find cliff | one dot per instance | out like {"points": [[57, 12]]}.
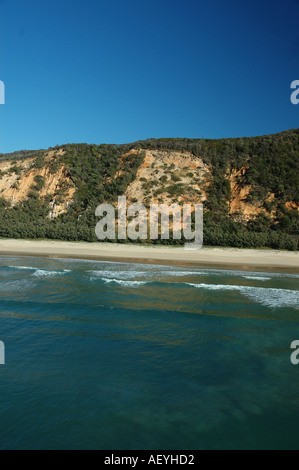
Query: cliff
{"points": [[248, 186]]}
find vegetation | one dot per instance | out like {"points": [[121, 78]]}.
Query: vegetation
{"points": [[103, 172]]}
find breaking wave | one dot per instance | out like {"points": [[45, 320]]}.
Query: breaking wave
{"points": [[270, 297]]}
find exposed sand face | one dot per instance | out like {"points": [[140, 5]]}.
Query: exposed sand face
{"points": [[245, 258], [164, 163]]}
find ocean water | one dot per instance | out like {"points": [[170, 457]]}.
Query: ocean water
{"points": [[106, 355]]}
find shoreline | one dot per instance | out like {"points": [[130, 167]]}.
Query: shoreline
{"points": [[242, 258]]}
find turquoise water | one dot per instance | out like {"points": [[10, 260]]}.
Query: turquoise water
{"points": [[103, 355]]}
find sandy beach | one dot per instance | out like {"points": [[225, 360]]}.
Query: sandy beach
{"points": [[207, 256]]}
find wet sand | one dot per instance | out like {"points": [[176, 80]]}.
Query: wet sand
{"points": [[207, 256]]}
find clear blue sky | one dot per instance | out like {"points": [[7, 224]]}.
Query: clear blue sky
{"points": [[122, 70]]}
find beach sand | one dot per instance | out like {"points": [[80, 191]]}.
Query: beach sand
{"points": [[207, 256]]}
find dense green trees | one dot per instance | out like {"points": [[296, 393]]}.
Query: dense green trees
{"points": [[103, 172]]}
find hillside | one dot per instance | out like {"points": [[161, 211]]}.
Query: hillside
{"points": [[248, 186]]}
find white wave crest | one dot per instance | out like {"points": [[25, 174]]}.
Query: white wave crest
{"points": [[43, 272], [122, 275], [270, 297], [125, 283], [257, 278], [30, 268]]}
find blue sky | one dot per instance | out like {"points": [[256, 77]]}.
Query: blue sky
{"points": [[122, 70]]}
